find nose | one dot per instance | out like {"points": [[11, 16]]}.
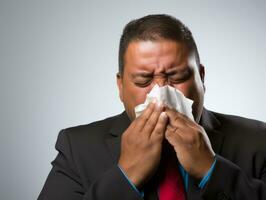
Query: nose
{"points": [[161, 80]]}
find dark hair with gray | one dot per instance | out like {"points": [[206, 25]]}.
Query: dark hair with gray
{"points": [[155, 27]]}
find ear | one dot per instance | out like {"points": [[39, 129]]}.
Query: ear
{"points": [[202, 72], [119, 82], [202, 75]]}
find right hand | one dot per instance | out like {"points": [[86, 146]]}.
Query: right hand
{"points": [[141, 144]]}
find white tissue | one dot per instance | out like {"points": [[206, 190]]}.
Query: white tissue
{"points": [[170, 97]]}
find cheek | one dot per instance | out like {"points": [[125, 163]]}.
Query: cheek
{"points": [[189, 89], [135, 95], [185, 88]]}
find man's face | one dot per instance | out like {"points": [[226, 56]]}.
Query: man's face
{"points": [[162, 62]]}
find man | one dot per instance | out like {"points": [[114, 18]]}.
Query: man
{"points": [[123, 157]]}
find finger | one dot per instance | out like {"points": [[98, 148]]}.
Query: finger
{"points": [[173, 137], [186, 135], [144, 117], [159, 130], [152, 121], [176, 118]]}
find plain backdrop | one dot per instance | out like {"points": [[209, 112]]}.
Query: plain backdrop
{"points": [[58, 60]]}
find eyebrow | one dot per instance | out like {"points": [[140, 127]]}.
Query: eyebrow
{"points": [[168, 72], [176, 71]]}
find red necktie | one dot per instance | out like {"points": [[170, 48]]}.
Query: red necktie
{"points": [[171, 186]]}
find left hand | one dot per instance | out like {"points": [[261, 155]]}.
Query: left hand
{"points": [[191, 144]]}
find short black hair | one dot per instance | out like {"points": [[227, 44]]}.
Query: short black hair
{"points": [[155, 27]]}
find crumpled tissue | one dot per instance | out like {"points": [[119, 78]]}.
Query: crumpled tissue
{"points": [[170, 97]]}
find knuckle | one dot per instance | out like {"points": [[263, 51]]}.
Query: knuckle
{"points": [[143, 117], [150, 123], [195, 137], [158, 131]]}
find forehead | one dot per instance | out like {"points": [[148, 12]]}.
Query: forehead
{"points": [[161, 53]]}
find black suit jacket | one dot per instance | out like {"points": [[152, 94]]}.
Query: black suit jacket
{"points": [[86, 165]]}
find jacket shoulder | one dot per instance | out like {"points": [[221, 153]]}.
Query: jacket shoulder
{"points": [[240, 122], [242, 132], [94, 130]]}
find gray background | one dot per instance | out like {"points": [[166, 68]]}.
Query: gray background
{"points": [[58, 61]]}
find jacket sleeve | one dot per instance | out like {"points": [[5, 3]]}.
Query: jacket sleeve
{"points": [[228, 181], [64, 181]]}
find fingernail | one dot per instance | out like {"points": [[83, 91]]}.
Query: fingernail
{"points": [[159, 103], [163, 115]]}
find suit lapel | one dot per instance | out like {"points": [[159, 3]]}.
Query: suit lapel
{"points": [[117, 128], [211, 125]]}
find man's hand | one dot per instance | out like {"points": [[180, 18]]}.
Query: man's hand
{"points": [[141, 144], [191, 144]]}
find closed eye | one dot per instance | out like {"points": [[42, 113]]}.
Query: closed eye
{"points": [[143, 82], [180, 77]]}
